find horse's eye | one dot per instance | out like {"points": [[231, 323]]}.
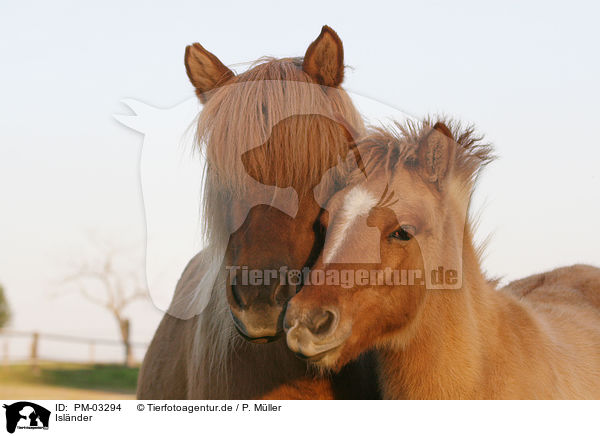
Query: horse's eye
{"points": [[404, 233]]}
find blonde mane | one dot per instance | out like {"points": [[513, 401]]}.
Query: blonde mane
{"points": [[241, 115]]}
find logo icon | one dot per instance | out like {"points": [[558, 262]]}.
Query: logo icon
{"points": [[26, 415]]}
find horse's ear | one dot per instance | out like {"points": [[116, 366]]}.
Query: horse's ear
{"points": [[436, 153], [324, 59], [205, 70]]}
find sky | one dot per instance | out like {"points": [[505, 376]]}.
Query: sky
{"points": [[524, 73]]}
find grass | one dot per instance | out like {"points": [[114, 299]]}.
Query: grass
{"points": [[101, 377]]}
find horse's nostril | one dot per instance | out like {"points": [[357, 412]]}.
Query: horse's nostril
{"points": [[237, 296], [322, 322]]}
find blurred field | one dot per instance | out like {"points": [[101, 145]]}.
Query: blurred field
{"points": [[67, 381]]}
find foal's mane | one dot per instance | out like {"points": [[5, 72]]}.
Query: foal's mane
{"points": [[386, 147]]}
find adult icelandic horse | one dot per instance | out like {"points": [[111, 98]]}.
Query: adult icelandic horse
{"points": [[269, 135], [537, 338]]}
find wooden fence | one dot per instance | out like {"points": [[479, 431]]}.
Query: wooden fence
{"points": [[35, 338]]}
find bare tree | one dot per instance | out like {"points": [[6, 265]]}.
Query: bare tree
{"points": [[111, 283], [5, 313]]}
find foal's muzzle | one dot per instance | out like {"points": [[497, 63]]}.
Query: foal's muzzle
{"points": [[312, 334]]}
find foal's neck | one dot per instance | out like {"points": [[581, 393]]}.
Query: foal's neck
{"points": [[450, 354]]}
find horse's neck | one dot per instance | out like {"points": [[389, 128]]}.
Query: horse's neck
{"points": [[458, 342]]}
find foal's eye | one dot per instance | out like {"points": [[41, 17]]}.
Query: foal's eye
{"points": [[404, 233]]}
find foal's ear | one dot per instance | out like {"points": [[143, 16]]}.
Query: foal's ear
{"points": [[205, 70], [436, 153], [324, 59]]}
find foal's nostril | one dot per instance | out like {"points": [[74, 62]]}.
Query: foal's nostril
{"points": [[322, 322]]}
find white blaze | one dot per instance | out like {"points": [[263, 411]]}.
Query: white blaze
{"points": [[358, 202]]}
